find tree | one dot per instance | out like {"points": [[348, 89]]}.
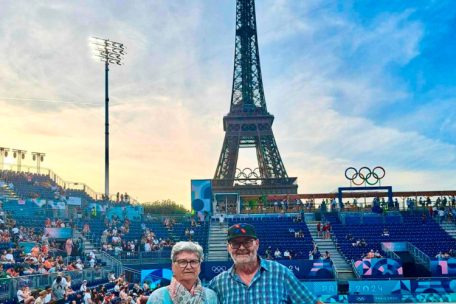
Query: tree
{"points": [[164, 207]]}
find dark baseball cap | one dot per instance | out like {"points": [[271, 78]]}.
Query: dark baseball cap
{"points": [[241, 229]]}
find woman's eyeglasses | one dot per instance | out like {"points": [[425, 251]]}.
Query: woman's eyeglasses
{"points": [[185, 263]]}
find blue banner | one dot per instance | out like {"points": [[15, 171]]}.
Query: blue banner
{"points": [[201, 196]]}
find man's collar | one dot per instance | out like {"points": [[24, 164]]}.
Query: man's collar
{"points": [[264, 264]]}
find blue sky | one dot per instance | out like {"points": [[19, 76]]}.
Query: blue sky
{"points": [[350, 83]]}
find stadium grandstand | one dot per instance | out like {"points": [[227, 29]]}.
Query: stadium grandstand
{"points": [[374, 250]]}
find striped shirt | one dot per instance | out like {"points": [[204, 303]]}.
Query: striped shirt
{"points": [[273, 283]]}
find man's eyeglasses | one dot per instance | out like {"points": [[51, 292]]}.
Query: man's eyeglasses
{"points": [[184, 263], [246, 244]]}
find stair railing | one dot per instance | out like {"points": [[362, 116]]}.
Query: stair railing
{"points": [[420, 256]]}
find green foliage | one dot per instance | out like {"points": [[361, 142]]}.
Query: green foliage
{"points": [[167, 207], [253, 203]]}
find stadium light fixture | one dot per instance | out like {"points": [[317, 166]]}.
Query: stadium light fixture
{"points": [[19, 155], [3, 154], [109, 52], [38, 157]]}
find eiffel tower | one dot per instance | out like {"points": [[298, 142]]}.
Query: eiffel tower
{"points": [[248, 124]]}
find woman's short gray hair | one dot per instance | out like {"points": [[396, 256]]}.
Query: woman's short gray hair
{"points": [[187, 246]]}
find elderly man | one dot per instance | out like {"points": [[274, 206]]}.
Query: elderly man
{"points": [[185, 287], [254, 280]]}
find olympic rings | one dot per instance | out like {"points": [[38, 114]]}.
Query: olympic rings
{"points": [[218, 269], [365, 175]]}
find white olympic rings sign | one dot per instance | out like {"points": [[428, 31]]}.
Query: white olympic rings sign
{"points": [[218, 269]]}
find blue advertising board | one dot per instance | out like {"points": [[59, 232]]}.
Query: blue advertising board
{"points": [[201, 195], [441, 267], [378, 268], [59, 233], [302, 269]]}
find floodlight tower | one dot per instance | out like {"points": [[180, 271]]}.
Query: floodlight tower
{"points": [[3, 154], [19, 155], [109, 52], [38, 157]]}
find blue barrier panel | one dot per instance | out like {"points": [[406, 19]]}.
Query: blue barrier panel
{"points": [[212, 269], [437, 286], [378, 268], [402, 287], [319, 288], [302, 269], [443, 267], [379, 287]]}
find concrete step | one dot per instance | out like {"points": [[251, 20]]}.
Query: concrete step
{"points": [[217, 248], [345, 276]]}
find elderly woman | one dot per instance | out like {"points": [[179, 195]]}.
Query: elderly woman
{"points": [[185, 287]]}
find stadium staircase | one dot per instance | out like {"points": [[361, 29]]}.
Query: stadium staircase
{"points": [[87, 244], [217, 242], [450, 228], [105, 258], [6, 191], [343, 269]]}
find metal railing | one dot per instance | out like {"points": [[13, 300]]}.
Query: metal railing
{"points": [[61, 182], [114, 263], [421, 257], [392, 255], [357, 274], [134, 258], [10, 286]]}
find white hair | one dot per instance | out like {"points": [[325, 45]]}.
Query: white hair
{"points": [[187, 246]]}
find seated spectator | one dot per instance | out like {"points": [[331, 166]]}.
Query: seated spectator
{"points": [[286, 254], [79, 265], [357, 243], [9, 256], [24, 295], [41, 297], [371, 254], [327, 256], [111, 277], [385, 232], [83, 286], [87, 298], [277, 254]]}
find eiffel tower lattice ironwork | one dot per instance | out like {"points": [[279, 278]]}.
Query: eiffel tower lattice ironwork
{"points": [[248, 124]]}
